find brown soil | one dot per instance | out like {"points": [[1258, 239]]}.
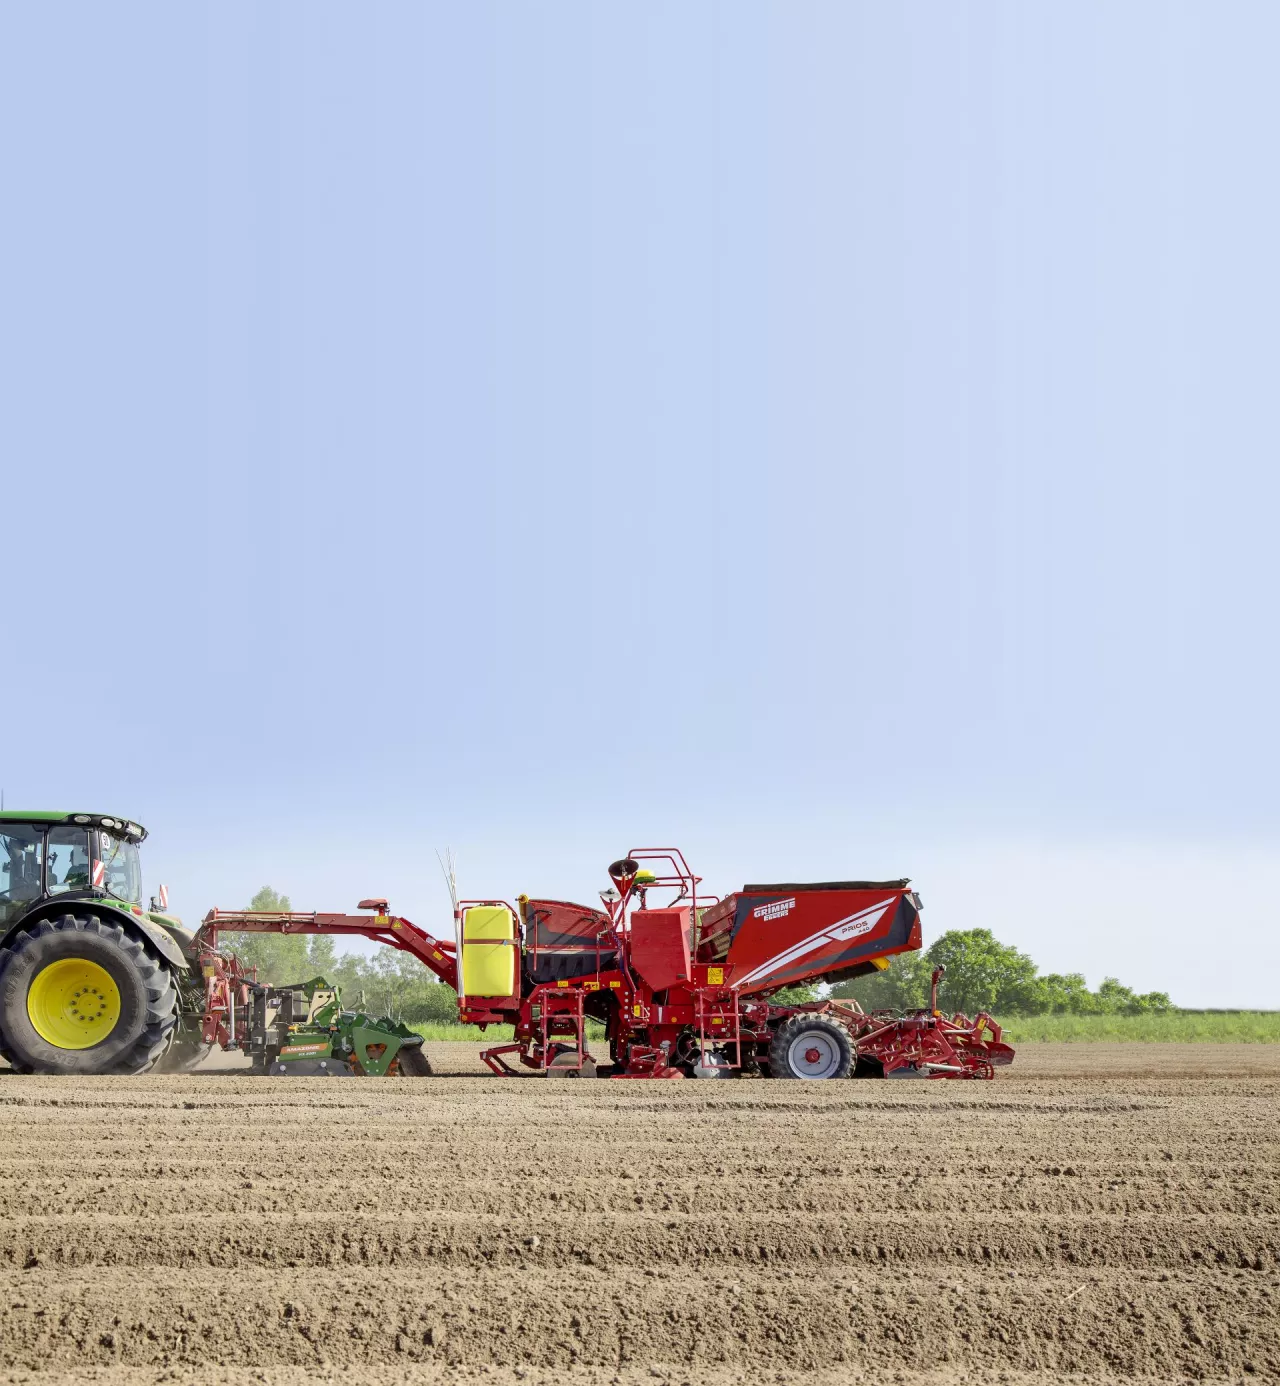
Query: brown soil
{"points": [[1098, 1213]]}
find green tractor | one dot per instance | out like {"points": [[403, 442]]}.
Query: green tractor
{"points": [[90, 981], [93, 982]]}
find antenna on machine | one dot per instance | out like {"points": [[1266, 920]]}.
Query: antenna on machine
{"points": [[449, 866]]}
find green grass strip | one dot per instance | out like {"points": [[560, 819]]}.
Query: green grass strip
{"points": [[1169, 1027]]}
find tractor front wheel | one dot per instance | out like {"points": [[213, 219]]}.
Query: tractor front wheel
{"points": [[79, 995], [809, 1046]]}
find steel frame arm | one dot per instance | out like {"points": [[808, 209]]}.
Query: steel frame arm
{"points": [[382, 927]]}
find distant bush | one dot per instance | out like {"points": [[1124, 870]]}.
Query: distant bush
{"points": [[983, 974]]}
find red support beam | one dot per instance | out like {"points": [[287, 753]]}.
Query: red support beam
{"points": [[381, 927]]}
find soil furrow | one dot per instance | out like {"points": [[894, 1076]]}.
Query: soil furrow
{"points": [[1054, 1324], [1094, 1215]]}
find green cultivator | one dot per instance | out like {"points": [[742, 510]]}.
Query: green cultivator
{"points": [[303, 1031]]}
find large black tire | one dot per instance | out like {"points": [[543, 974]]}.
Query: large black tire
{"points": [[810, 1046], [414, 1062], [148, 999]]}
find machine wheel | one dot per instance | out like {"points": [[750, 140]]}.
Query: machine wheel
{"points": [[716, 1066], [80, 995], [808, 1046], [564, 1065], [15, 1065], [414, 1062]]}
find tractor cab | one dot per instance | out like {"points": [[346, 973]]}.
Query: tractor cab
{"points": [[45, 856]]}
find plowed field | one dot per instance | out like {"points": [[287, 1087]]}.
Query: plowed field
{"points": [[1099, 1213]]}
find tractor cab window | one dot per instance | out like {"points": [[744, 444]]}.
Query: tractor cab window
{"points": [[118, 867], [20, 859], [67, 860]]}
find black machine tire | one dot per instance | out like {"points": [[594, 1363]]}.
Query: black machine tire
{"points": [[15, 1065], [148, 998], [804, 1035], [414, 1062]]}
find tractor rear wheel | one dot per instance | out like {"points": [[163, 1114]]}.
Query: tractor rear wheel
{"points": [[810, 1046], [79, 995]]}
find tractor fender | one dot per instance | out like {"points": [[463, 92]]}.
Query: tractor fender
{"points": [[164, 943]]}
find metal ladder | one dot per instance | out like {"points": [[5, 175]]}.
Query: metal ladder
{"points": [[561, 1004]]}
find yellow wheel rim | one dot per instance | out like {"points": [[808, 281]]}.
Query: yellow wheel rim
{"points": [[73, 1003]]}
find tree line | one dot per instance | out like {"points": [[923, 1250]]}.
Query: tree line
{"points": [[982, 974]]}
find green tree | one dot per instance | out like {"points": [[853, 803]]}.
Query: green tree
{"points": [[1117, 999], [393, 983], [902, 986], [322, 955], [389, 982], [434, 1002], [1067, 994], [983, 974], [279, 958], [795, 996]]}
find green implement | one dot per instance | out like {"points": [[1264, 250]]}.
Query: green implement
{"points": [[302, 1030]]}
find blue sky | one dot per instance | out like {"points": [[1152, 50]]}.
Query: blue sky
{"points": [[839, 439]]}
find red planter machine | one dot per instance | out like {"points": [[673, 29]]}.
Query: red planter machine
{"points": [[684, 986]]}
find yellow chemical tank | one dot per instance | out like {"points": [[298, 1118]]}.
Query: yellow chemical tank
{"points": [[488, 951]]}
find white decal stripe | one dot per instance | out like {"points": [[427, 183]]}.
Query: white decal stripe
{"points": [[865, 920], [836, 933]]}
